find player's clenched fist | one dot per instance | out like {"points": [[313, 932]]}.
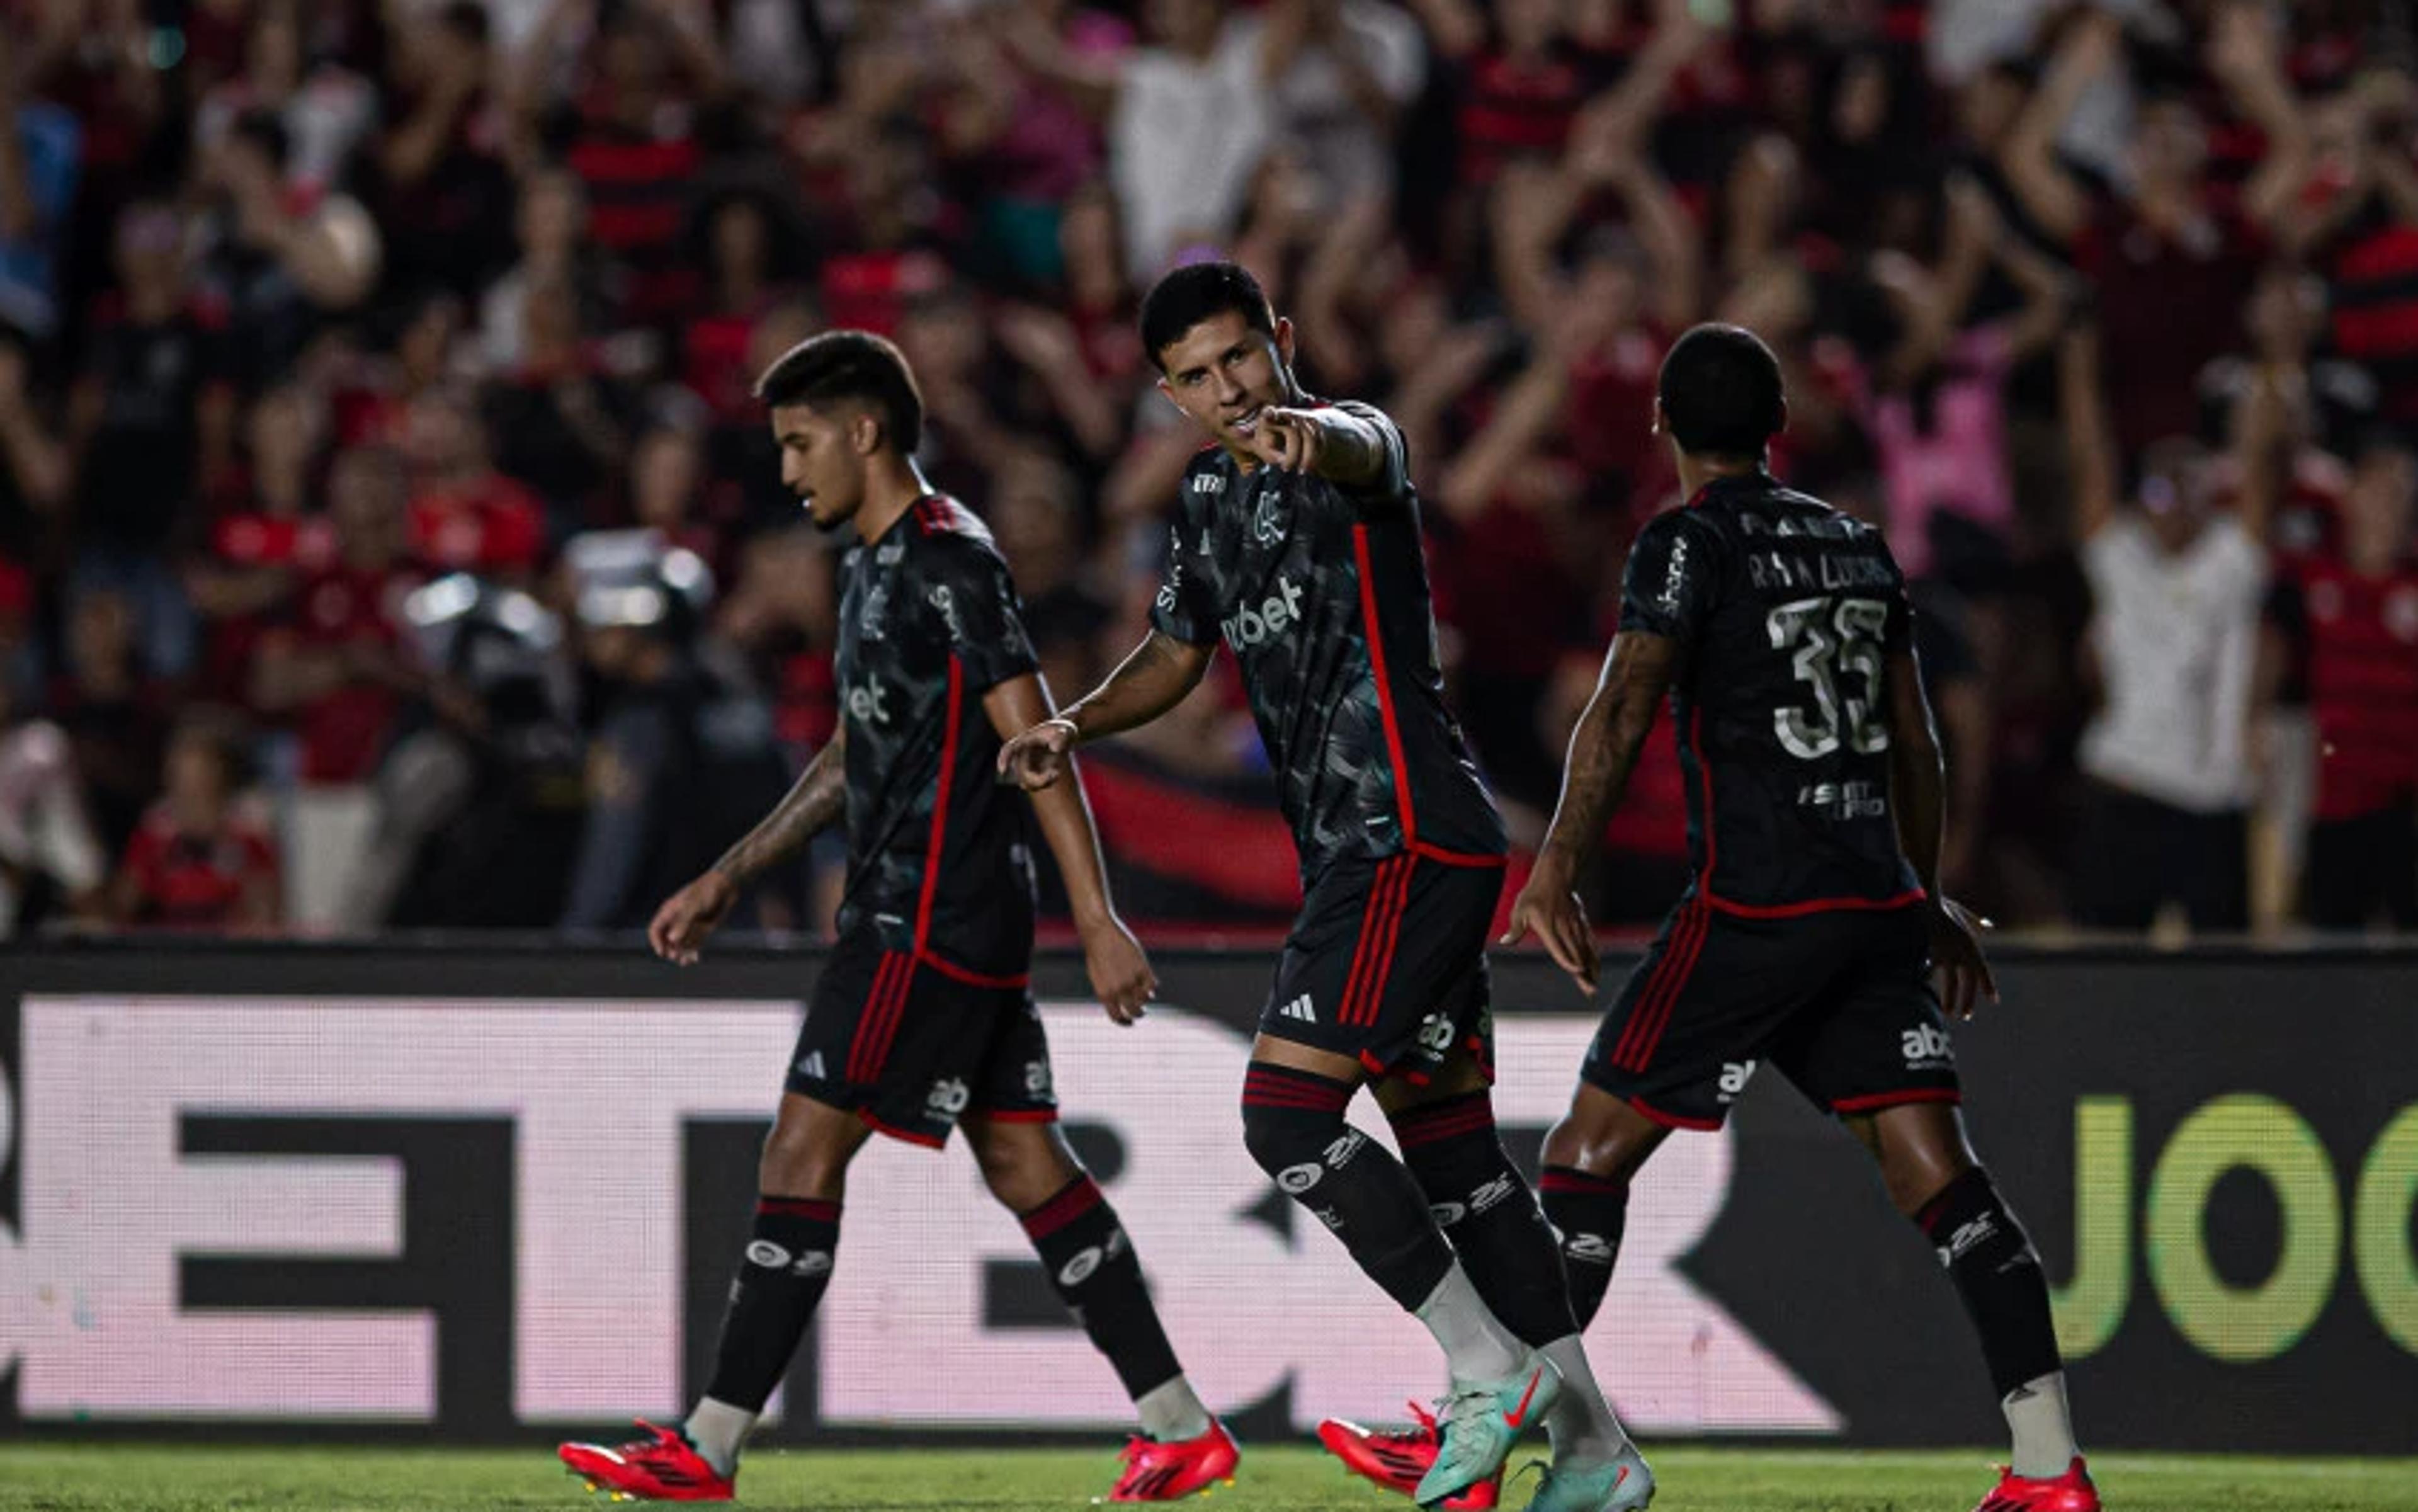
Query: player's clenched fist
{"points": [[1037, 758], [1118, 969], [681, 925]]}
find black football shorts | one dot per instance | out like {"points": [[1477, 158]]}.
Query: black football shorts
{"points": [[1838, 1002], [1386, 963], [908, 1043]]}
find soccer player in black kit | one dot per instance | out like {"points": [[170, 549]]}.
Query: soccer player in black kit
{"points": [[921, 1020], [1779, 631], [1296, 542]]}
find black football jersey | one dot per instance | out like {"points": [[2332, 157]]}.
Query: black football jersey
{"points": [[940, 858], [1786, 612], [1322, 593]]}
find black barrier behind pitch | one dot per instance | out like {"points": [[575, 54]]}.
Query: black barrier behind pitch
{"points": [[2217, 1154]]}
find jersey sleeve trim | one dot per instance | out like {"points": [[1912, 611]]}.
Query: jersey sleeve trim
{"points": [[1372, 630], [940, 803]]}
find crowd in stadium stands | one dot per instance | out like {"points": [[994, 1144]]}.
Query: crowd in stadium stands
{"points": [[341, 340]]}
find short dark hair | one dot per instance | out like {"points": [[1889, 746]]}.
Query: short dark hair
{"points": [[851, 365], [1720, 393], [1197, 291]]}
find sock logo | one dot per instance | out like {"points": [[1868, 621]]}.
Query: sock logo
{"points": [[1447, 1213], [1294, 1180], [1493, 1193], [813, 1262], [1340, 1153], [1969, 1236], [1301, 1009], [1078, 1269], [1332, 1218], [1588, 1249], [767, 1254]]}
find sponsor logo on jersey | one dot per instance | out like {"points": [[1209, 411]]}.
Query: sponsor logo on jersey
{"points": [[948, 1096], [1927, 1047], [868, 704], [1675, 574], [1208, 483], [1251, 625], [946, 601], [1301, 1009], [1734, 1075], [1435, 1034], [813, 1066], [1036, 1078]]}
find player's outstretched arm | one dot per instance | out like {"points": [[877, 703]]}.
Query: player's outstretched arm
{"points": [[1347, 450], [1918, 800], [819, 796], [1152, 680], [1636, 678], [1118, 969]]}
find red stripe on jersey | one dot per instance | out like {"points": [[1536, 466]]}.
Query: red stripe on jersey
{"points": [[1374, 631], [1894, 1099], [940, 804], [1384, 974], [1391, 892], [1371, 915], [1638, 1041], [1675, 1120], [873, 1122], [1456, 857], [972, 978], [868, 1021], [1796, 910]]}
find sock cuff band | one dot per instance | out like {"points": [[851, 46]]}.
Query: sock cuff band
{"points": [[1971, 1192], [1267, 1085], [1074, 1199], [1448, 1119], [796, 1207], [1579, 1183]]}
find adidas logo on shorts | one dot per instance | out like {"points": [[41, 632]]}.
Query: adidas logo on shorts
{"points": [[813, 1066], [1300, 1009]]}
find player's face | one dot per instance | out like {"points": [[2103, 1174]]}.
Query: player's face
{"points": [[820, 462], [1222, 374]]}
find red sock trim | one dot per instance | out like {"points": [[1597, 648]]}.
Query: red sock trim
{"points": [[1076, 1197], [798, 1207], [1584, 1184], [1275, 1086], [1450, 1119]]}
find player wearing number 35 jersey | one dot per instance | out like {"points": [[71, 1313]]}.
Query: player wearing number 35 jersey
{"points": [[1778, 631]]}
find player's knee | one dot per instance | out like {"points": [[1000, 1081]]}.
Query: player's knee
{"points": [[1613, 1149], [804, 1158], [1292, 1121], [1024, 1165]]}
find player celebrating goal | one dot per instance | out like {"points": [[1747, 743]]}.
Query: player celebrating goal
{"points": [[1297, 541], [1778, 629], [921, 1019]]}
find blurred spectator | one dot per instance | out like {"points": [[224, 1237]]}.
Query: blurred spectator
{"points": [[335, 669], [2352, 609], [1339, 75], [39, 147], [325, 109], [680, 758], [1191, 119], [117, 718], [464, 512], [152, 414], [561, 420], [2172, 651], [202, 859], [552, 228], [51, 861], [34, 467], [443, 190]]}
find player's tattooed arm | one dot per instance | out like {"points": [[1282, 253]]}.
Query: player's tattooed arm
{"points": [[1603, 749], [677, 931], [812, 803], [1157, 677], [1636, 678]]}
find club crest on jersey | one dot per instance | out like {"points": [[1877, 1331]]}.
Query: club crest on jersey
{"points": [[1267, 526]]}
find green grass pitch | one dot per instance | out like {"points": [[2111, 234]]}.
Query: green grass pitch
{"points": [[127, 1479]]}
